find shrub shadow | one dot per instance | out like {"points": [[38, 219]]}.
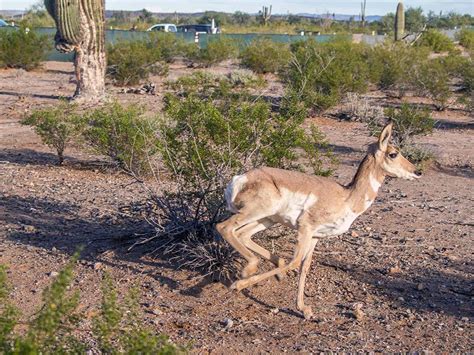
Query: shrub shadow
{"points": [[48, 224]]}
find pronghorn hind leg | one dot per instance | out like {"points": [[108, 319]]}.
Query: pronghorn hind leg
{"points": [[229, 230], [245, 234]]}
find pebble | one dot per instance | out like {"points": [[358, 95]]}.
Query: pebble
{"points": [[228, 323], [420, 286], [98, 266], [354, 234], [30, 229], [53, 274]]}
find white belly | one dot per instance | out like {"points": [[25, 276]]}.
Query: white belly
{"points": [[292, 206], [338, 226]]}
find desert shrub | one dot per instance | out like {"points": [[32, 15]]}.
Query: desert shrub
{"points": [[431, 79], [129, 62], [245, 78], [53, 329], [418, 155], [359, 108], [22, 49], [124, 134], [265, 56], [56, 126], [391, 65], [217, 50], [466, 38], [408, 121], [166, 46], [320, 74], [212, 131], [436, 41], [460, 68]]}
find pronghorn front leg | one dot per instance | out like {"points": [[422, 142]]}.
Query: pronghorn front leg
{"points": [[304, 268]]}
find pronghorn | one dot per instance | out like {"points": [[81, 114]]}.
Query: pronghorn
{"points": [[314, 206]]}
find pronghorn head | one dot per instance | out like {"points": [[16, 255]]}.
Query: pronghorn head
{"points": [[392, 162]]}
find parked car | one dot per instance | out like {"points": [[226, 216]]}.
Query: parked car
{"points": [[209, 29], [163, 27], [4, 24]]}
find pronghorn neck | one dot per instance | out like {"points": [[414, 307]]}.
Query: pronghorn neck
{"points": [[365, 184]]}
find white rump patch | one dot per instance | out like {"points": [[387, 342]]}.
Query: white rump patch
{"points": [[374, 183], [293, 205], [232, 189]]}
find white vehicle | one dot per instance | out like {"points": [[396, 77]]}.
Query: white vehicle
{"points": [[163, 27]]}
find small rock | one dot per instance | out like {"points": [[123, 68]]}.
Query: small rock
{"points": [[358, 313], [420, 286], [98, 266], [53, 274], [228, 323], [275, 310], [29, 229], [156, 311], [54, 250], [401, 299], [354, 234], [394, 270], [465, 319]]}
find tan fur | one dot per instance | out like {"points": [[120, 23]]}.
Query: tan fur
{"points": [[314, 206]]}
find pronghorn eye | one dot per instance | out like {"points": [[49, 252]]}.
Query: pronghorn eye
{"points": [[393, 155]]}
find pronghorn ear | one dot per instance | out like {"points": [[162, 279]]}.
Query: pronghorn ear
{"points": [[385, 137]]}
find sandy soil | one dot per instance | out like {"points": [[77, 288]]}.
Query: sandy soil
{"points": [[408, 261]]}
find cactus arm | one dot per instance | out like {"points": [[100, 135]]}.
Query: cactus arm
{"points": [[66, 15]]}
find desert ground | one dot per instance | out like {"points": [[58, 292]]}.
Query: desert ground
{"points": [[400, 280]]}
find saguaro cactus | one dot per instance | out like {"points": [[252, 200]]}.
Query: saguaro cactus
{"points": [[362, 12], [80, 28], [399, 22], [266, 14]]}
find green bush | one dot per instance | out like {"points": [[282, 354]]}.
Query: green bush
{"points": [[391, 65], [408, 121], [125, 135], [56, 126], [213, 130], [466, 38], [22, 49], [431, 79], [436, 41], [53, 329], [265, 56], [320, 74], [129, 62], [217, 50]]}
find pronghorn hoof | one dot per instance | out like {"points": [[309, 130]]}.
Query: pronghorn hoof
{"points": [[249, 270], [238, 285], [307, 312]]}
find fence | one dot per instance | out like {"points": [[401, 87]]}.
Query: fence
{"points": [[112, 36]]}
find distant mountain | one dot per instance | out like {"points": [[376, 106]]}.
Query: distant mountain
{"points": [[136, 13], [341, 17]]}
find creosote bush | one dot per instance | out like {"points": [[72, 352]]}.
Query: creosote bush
{"points": [[320, 74], [391, 65], [22, 49], [466, 38], [217, 50], [408, 121], [436, 41], [431, 79], [129, 62], [265, 56], [124, 134], [211, 131], [57, 126], [53, 330]]}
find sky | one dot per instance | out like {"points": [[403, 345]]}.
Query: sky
{"points": [[350, 7]]}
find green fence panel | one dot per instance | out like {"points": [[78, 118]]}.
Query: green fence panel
{"points": [[112, 36]]}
